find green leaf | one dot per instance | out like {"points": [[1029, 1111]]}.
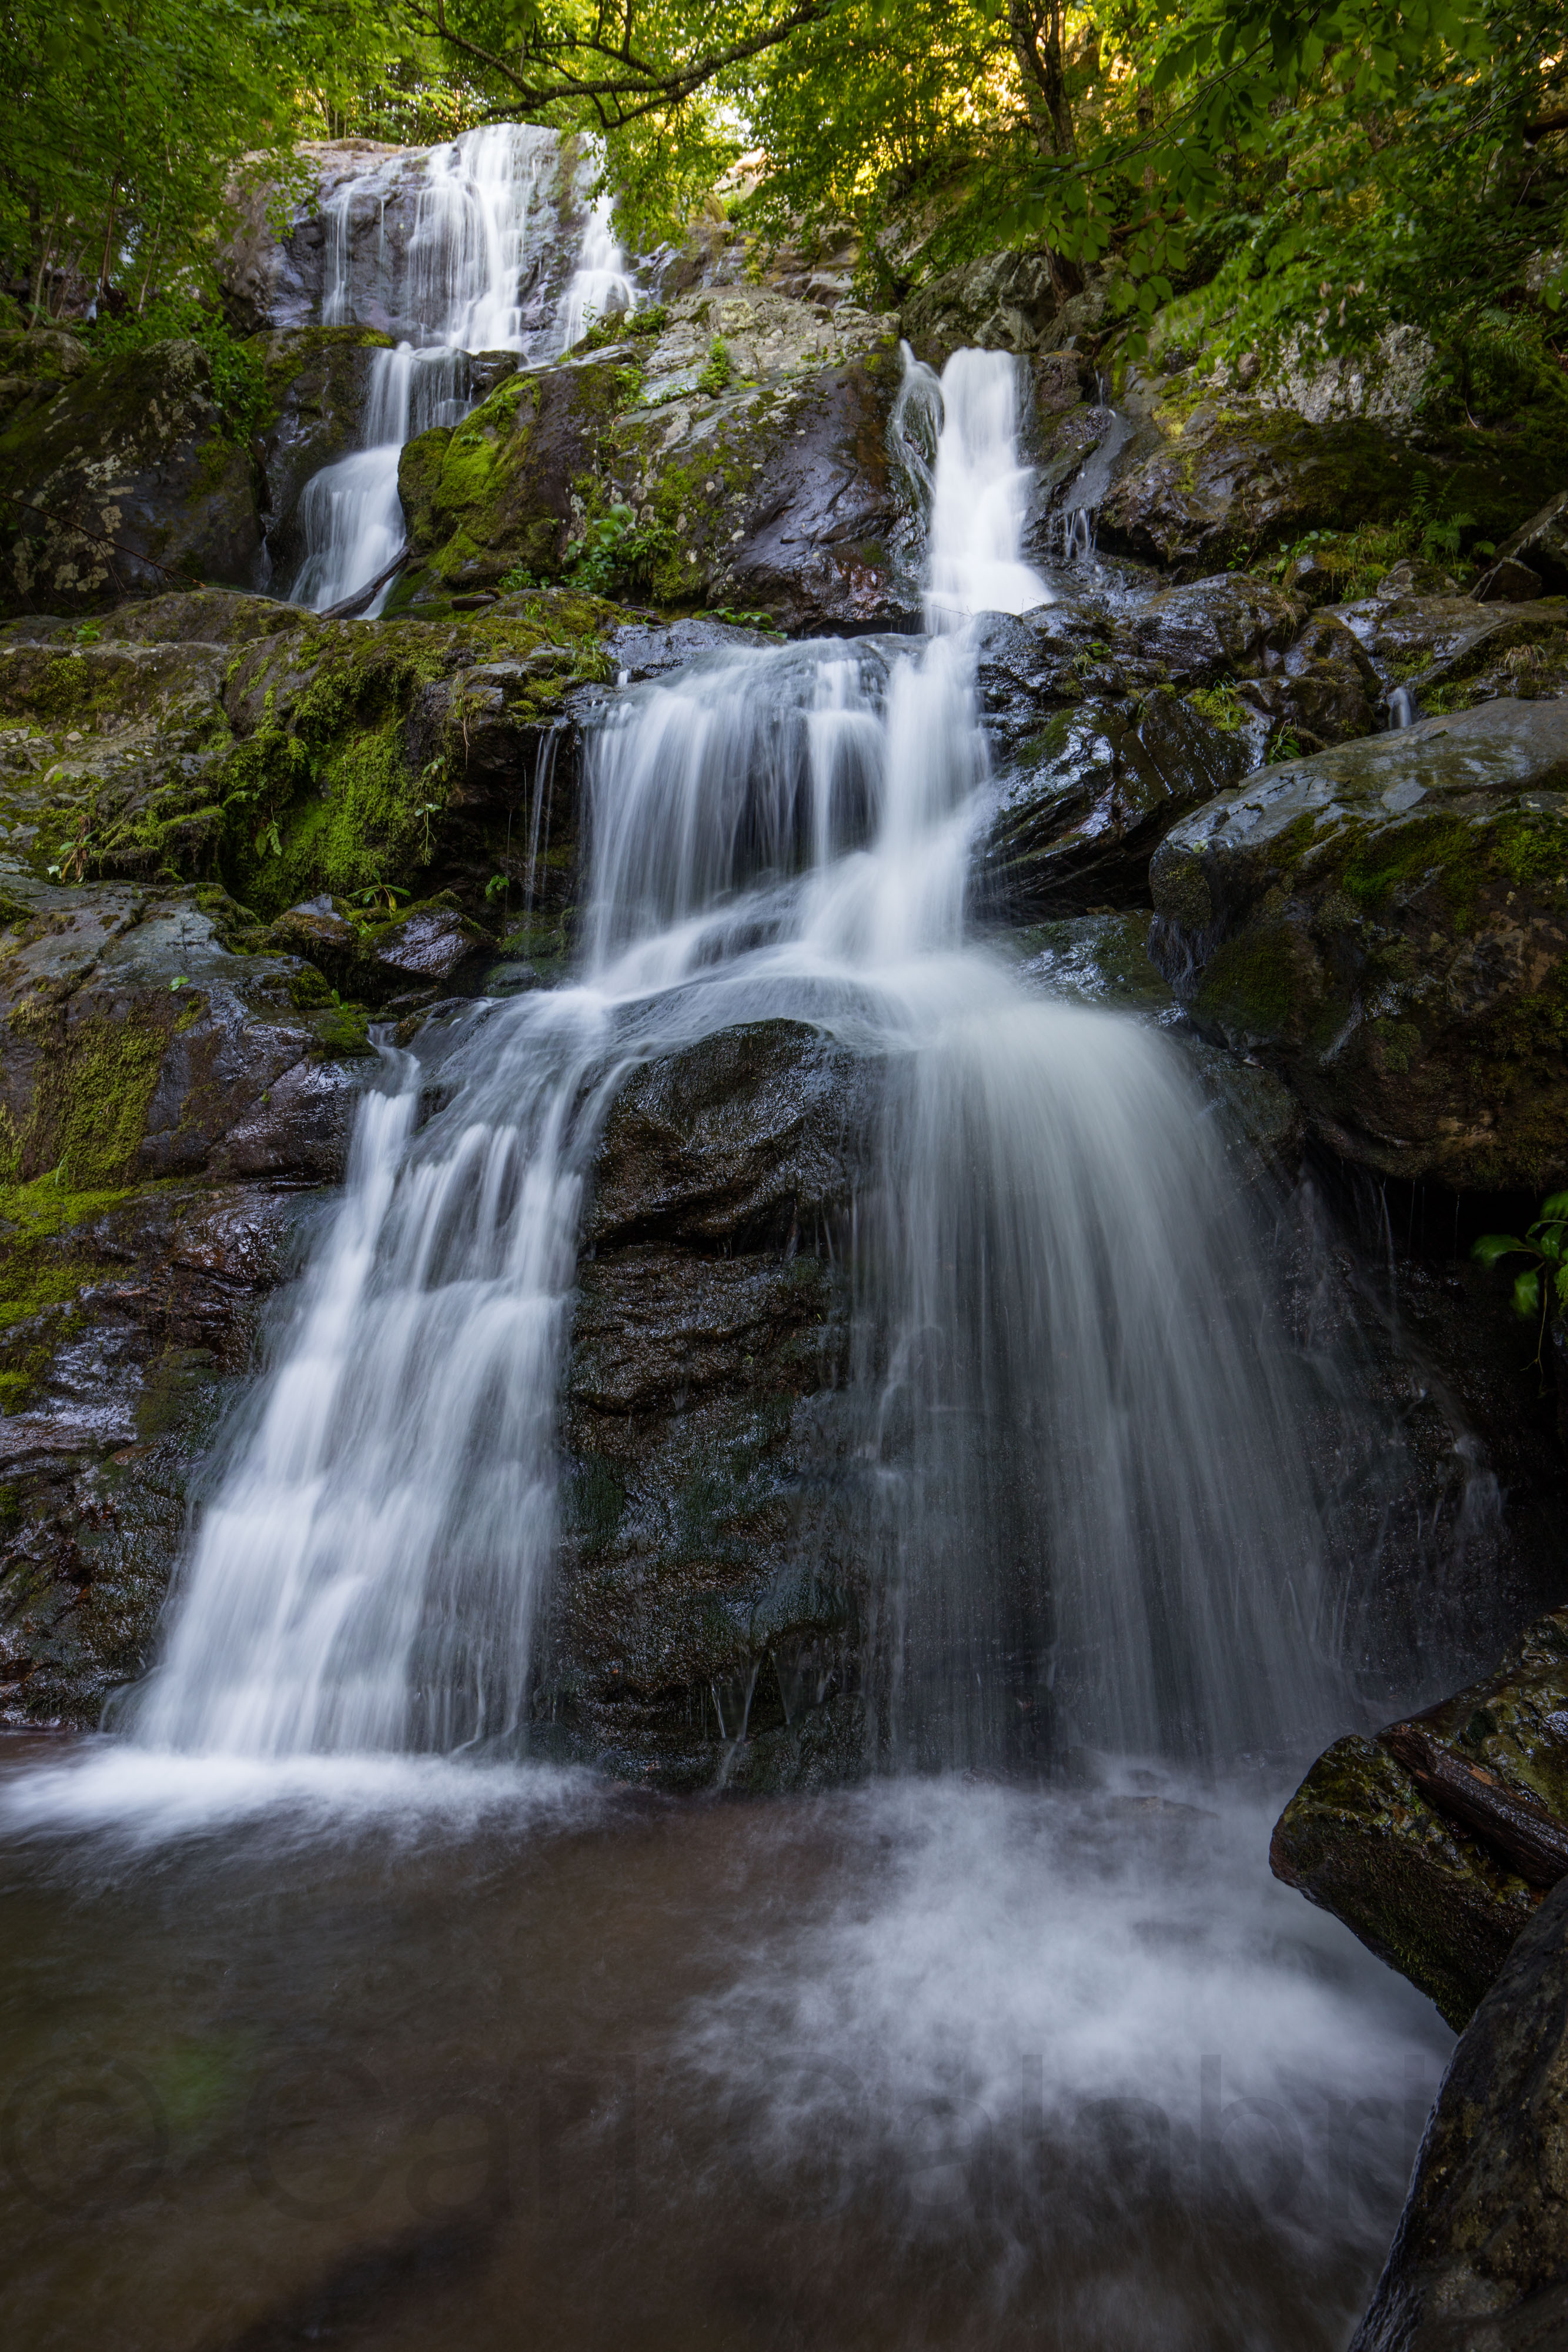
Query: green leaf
{"points": [[1527, 1293], [1491, 1246], [1555, 1207]]}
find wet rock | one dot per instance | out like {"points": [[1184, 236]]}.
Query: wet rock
{"points": [[1323, 690], [701, 1594], [125, 483], [1207, 633], [316, 382], [133, 1046], [1447, 653], [1420, 1840], [1078, 818], [128, 1318], [1410, 577], [1481, 2251], [1220, 485], [426, 945], [160, 1101], [1386, 924], [745, 1135], [1507, 583], [778, 492], [1002, 302], [644, 649], [1542, 543]]}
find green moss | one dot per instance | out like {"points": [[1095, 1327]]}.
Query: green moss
{"points": [[1431, 850], [90, 1107], [1251, 982], [1221, 704], [41, 1282]]}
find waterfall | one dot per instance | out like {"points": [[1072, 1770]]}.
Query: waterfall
{"points": [[480, 210], [957, 438], [1084, 1501], [600, 284]]}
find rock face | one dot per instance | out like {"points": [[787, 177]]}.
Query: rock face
{"points": [[1386, 924], [1077, 818], [1481, 2259], [738, 457], [703, 1587], [1435, 1840], [315, 380], [498, 492], [1003, 302], [219, 737], [357, 224], [162, 1103], [1225, 484], [125, 482]]}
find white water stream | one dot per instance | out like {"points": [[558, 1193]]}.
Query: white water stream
{"points": [[481, 209], [1081, 1442]]}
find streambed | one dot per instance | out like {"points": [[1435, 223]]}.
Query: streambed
{"points": [[396, 2054]]}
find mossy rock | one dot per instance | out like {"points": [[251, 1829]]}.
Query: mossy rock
{"points": [[214, 737], [1424, 1891], [315, 381], [1386, 924], [1231, 484], [497, 491], [125, 482], [1078, 815]]}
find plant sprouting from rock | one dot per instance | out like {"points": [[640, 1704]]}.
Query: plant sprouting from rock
{"points": [[1542, 1285]]}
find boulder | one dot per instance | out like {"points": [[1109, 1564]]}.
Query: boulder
{"points": [[386, 958], [1212, 485], [1542, 544], [702, 1593], [160, 1101], [125, 482], [1077, 818], [1506, 581], [1002, 302], [1479, 2263], [1386, 925], [497, 491], [129, 1317], [1435, 1842], [739, 459]]}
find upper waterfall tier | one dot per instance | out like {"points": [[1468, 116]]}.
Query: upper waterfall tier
{"points": [[472, 243]]}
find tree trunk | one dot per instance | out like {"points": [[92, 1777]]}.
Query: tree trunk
{"points": [[1035, 28]]}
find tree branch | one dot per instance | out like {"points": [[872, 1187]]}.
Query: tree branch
{"points": [[540, 76]]}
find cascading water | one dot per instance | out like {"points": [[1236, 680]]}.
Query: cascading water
{"points": [[601, 285], [460, 283], [976, 492], [1081, 1500]]}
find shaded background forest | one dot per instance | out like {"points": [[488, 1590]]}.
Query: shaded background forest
{"points": [[1246, 180]]}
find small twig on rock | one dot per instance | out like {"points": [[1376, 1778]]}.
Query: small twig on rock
{"points": [[1529, 1838]]}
